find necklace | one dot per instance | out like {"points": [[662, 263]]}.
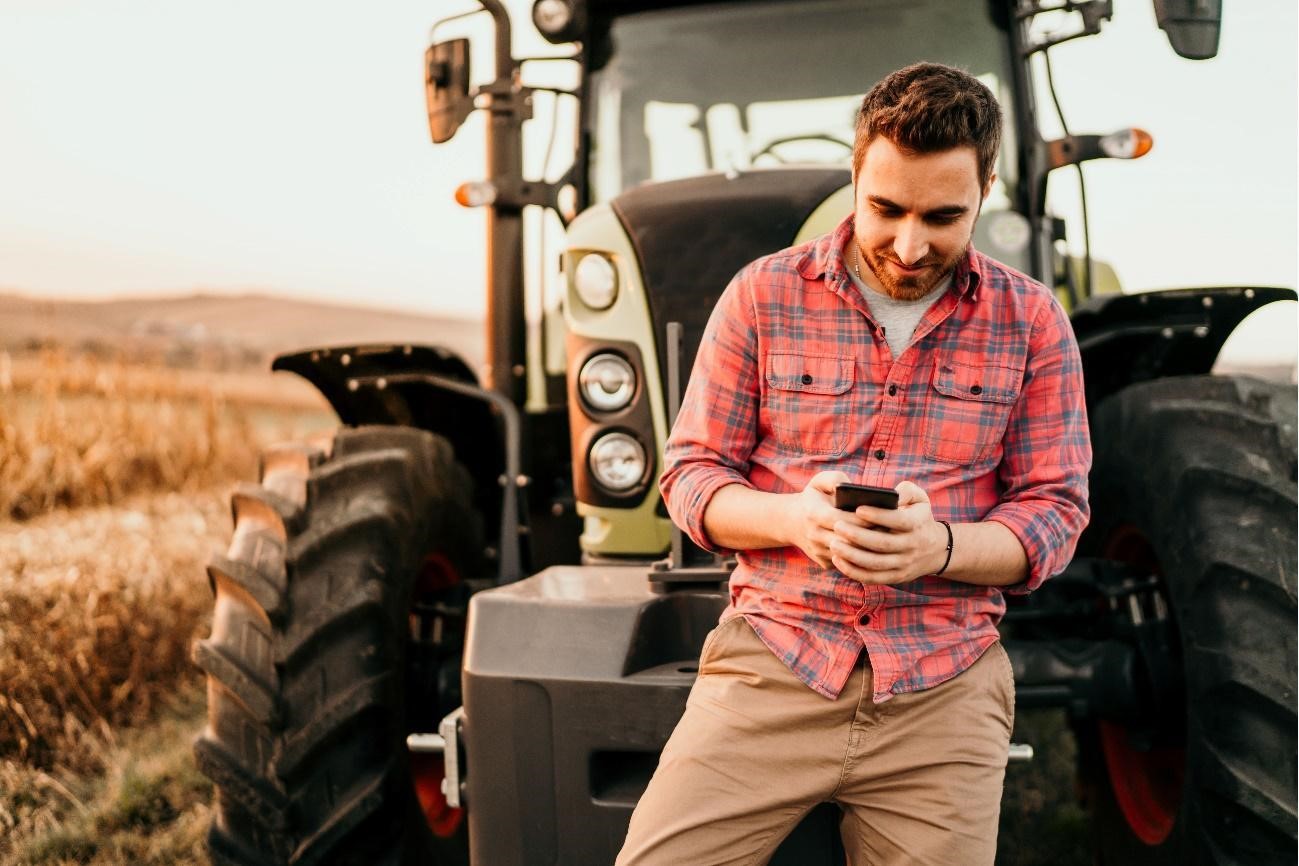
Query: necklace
{"points": [[856, 260]]}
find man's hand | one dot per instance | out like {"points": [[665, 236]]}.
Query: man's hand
{"points": [[812, 516], [888, 546]]}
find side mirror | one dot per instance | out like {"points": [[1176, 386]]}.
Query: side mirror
{"points": [[446, 87], [1192, 26]]}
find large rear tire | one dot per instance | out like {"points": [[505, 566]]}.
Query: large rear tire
{"points": [[1194, 481], [310, 660]]}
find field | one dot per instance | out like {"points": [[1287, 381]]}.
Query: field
{"points": [[113, 483]]}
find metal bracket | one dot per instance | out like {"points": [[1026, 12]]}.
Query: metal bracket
{"points": [[450, 730]]}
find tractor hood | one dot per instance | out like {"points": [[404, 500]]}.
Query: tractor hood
{"points": [[692, 236]]}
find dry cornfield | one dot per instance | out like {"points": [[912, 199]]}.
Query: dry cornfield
{"points": [[113, 483]]}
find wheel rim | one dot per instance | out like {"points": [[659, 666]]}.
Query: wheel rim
{"points": [[437, 574], [1147, 783]]}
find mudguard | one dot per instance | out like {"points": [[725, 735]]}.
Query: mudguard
{"points": [[1126, 339], [431, 388]]}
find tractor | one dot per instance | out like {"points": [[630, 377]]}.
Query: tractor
{"points": [[460, 628]]}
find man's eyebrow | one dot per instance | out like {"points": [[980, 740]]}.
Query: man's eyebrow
{"points": [[949, 210]]}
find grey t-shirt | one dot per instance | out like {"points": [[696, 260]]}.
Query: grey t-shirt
{"points": [[898, 319]]}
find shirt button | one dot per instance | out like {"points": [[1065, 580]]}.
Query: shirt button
{"points": [[864, 619], [893, 389], [807, 378], [879, 455], [976, 389]]}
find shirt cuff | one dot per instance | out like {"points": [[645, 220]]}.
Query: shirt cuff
{"points": [[1047, 542], [689, 514]]}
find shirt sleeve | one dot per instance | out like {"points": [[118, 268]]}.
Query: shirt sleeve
{"points": [[716, 428], [1047, 452]]}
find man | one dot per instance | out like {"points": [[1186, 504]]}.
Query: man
{"points": [[858, 661]]}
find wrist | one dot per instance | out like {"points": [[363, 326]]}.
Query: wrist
{"points": [[943, 539]]}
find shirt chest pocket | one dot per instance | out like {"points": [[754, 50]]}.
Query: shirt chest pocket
{"points": [[808, 405], [967, 410]]}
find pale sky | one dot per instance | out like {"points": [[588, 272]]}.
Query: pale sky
{"points": [[156, 146]]}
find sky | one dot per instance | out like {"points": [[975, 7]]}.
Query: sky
{"points": [[160, 147]]}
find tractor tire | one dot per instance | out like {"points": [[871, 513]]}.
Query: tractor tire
{"points": [[309, 661], [1194, 481]]}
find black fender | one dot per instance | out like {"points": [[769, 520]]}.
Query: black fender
{"points": [[432, 388], [1126, 339]]}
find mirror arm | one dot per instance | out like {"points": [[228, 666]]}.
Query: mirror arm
{"points": [[1094, 14]]}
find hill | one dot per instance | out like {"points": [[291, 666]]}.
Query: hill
{"points": [[232, 330]]}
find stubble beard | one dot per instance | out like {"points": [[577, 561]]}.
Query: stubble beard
{"points": [[908, 288]]}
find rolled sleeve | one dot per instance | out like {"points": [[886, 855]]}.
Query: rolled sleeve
{"points": [[1047, 453], [716, 429]]}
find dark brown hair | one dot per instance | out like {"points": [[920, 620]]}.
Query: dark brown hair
{"points": [[928, 107]]}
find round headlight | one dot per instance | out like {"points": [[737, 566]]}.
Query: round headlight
{"points": [[607, 382], [551, 16], [596, 281], [617, 461]]}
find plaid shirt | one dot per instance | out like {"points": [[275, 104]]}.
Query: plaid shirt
{"points": [[984, 411]]}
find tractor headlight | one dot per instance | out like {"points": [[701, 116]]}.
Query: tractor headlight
{"points": [[617, 462], [596, 281], [607, 382]]}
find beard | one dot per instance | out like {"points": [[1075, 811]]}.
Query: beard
{"points": [[908, 287]]}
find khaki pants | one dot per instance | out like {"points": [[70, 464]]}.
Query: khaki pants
{"points": [[918, 777]]}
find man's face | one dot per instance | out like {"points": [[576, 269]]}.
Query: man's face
{"points": [[914, 216]]}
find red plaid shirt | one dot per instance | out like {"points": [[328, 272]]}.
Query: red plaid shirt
{"points": [[984, 411]]}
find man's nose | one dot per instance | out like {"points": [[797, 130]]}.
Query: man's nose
{"points": [[911, 244]]}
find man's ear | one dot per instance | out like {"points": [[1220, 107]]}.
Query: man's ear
{"points": [[987, 187]]}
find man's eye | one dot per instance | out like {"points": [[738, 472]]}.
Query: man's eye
{"points": [[943, 219]]}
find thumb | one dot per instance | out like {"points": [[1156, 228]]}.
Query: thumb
{"points": [[910, 494], [826, 482]]}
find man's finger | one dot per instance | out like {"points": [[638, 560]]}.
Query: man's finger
{"points": [[826, 482], [869, 539], [888, 518], [909, 494]]}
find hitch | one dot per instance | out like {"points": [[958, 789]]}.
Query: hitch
{"points": [[1099, 642]]}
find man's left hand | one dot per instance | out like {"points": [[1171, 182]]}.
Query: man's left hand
{"points": [[888, 546]]}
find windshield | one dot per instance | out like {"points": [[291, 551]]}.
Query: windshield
{"points": [[732, 86]]}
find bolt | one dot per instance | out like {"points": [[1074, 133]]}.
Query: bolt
{"points": [[381, 383], [1166, 333], [346, 360], [353, 385], [1206, 301], [1249, 294]]}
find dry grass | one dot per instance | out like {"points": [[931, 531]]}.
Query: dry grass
{"points": [[113, 494], [75, 433], [98, 608], [150, 808]]}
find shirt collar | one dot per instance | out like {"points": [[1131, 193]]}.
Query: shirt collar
{"points": [[825, 259]]}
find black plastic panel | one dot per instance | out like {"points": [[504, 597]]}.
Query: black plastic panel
{"points": [[574, 679], [692, 236]]}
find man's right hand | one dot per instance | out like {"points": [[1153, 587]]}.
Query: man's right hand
{"points": [[812, 516]]}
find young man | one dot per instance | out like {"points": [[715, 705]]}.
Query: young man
{"points": [[858, 661]]}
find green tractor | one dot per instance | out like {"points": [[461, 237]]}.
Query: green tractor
{"points": [[461, 628]]}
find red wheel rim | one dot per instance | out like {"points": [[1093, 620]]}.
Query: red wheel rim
{"points": [[428, 770], [1147, 784]]}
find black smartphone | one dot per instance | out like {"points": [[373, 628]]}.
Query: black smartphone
{"points": [[848, 496]]}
